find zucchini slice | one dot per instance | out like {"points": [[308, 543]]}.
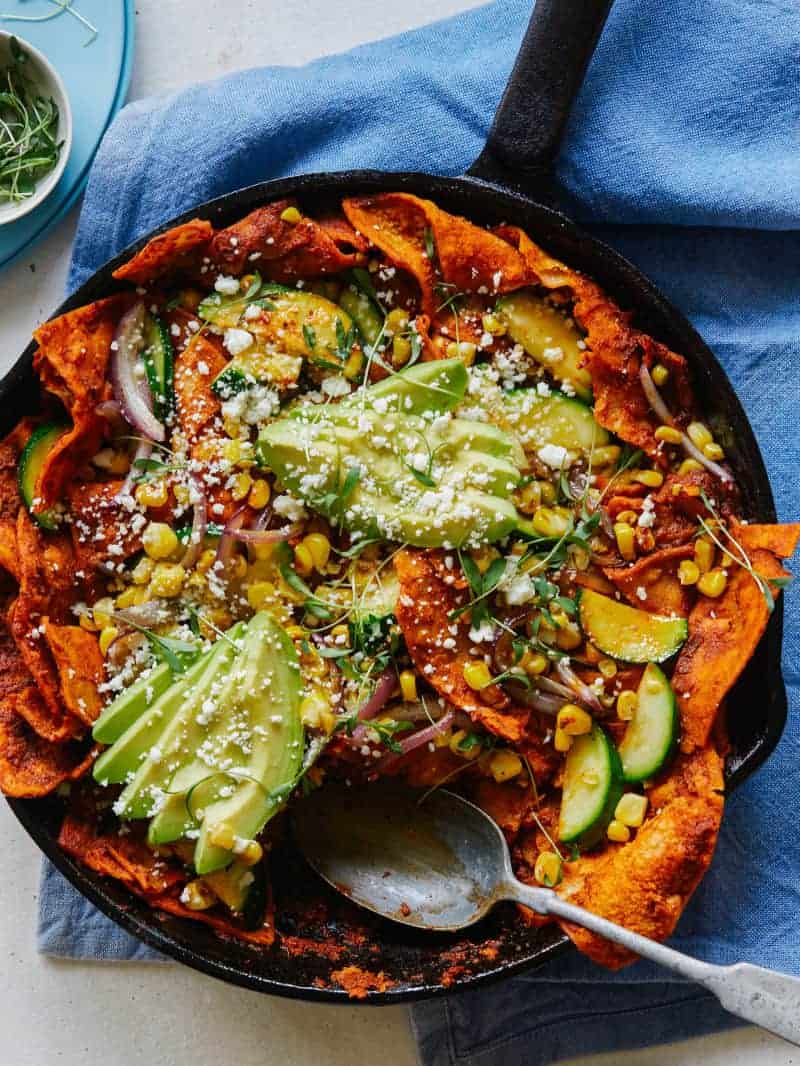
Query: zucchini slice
{"points": [[159, 365], [652, 734], [555, 419], [627, 633], [363, 312], [591, 790], [548, 335], [30, 465]]}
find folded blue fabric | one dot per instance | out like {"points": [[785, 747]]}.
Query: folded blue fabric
{"points": [[681, 153]]}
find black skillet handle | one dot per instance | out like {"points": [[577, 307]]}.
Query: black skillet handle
{"points": [[525, 137]]}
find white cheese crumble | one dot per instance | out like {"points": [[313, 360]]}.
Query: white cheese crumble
{"points": [[226, 286], [553, 455]]}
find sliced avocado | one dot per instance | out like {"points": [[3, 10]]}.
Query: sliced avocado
{"points": [[30, 466], [257, 368], [435, 386], [538, 420], [427, 482], [548, 335], [627, 633], [178, 741], [267, 709], [131, 703], [378, 598]]}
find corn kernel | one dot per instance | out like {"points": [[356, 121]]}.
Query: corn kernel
{"points": [[659, 374], [340, 631], [529, 497], [625, 540], [712, 583], [397, 320], [259, 594], [631, 810], [263, 552], [668, 434], [158, 540], [699, 434], [645, 540], [182, 495], [626, 705], [547, 869], [573, 720], [296, 632], [689, 466], [569, 636], [143, 571], [713, 451], [167, 580], [562, 741], [494, 325], [198, 896], [704, 552], [504, 765], [618, 832], [259, 494], [319, 548], [578, 557], [303, 560], [688, 572], [206, 560], [630, 518], [464, 350], [112, 461], [242, 483], [550, 522], [443, 737], [408, 685], [533, 662], [232, 427], [313, 708], [85, 621], [606, 455], [107, 637], [401, 351], [476, 674], [251, 853], [101, 612], [127, 598], [607, 667], [291, 215], [353, 365], [471, 752], [484, 557], [222, 835], [152, 494], [653, 479]]}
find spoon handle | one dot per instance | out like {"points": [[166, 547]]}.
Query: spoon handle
{"points": [[764, 997]]}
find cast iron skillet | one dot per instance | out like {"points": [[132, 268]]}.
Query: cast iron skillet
{"points": [[510, 181]]}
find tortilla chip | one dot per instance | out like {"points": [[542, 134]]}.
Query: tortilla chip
{"points": [[69, 453], [16, 681], [73, 353], [506, 804], [644, 885], [102, 529], [123, 857], [781, 540], [48, 581], [178, 250], [424, 604], [29, 765], [197, 405], [468, 258], [9, 559], [657, 576], [282, 251], [723, 634], [615, 352], [226, 925], [79, 663]]}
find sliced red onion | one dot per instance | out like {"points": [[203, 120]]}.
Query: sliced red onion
{"points": [[228, 538], [539, 701], [263, 536], [199, 524], [143, 451], [377, 701], [546, 684], [585, 694], [662, 411], [131, 390], [416, 740]]}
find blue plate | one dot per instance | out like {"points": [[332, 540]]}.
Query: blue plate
{"points": [[96, 77]]}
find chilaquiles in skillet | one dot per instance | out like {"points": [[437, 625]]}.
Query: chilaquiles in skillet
{"points": [[379, 492]]}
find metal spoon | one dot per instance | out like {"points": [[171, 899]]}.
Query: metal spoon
{"points": [[442, 864]]}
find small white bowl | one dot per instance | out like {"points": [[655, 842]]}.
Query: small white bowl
{"points": [[47, 79]]}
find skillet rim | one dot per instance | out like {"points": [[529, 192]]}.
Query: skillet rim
{"points": [[684, 338]]}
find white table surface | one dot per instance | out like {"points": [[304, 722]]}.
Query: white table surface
{"points": [[79, 1014]]}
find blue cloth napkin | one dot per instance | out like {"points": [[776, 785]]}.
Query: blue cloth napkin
{"points": [[682, 153]]}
